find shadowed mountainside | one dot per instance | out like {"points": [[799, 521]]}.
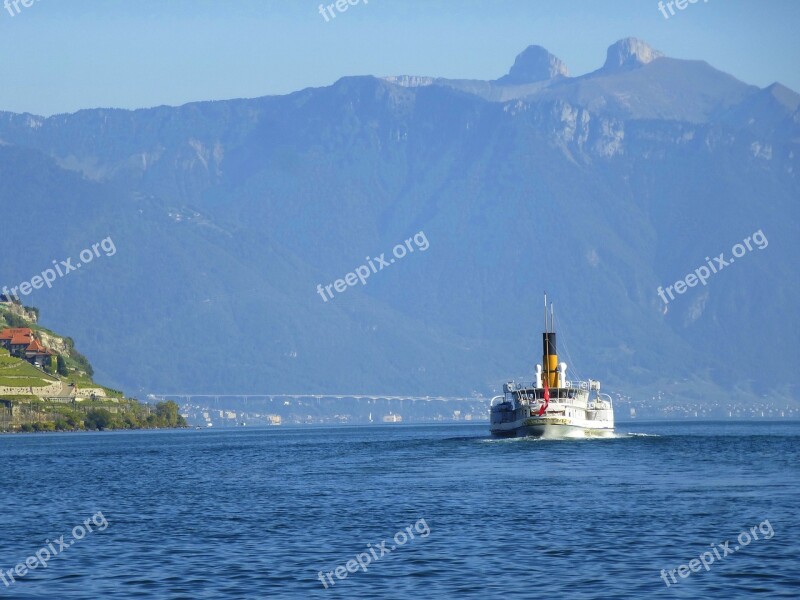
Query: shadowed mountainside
{"points": [[597, 188]]}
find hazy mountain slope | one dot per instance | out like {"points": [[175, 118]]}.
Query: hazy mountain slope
{"points": [[597, 188]]}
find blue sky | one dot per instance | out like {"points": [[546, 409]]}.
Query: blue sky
{"points": [[63, 55]]}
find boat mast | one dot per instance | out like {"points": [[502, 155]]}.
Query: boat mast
{"points": [[545, 312], [549, 352]]}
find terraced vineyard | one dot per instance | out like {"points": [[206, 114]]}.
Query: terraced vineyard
{"points": [[19, 373]]}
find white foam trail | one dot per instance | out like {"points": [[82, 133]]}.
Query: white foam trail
{"points": [[510, 440], [607, 436]]}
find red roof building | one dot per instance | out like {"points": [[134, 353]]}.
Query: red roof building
{"points": [[20, 342], [36, 347], [16, 338], [10, 332], [14, 330]]}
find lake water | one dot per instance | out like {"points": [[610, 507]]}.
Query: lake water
{"points": [[260, 513]]}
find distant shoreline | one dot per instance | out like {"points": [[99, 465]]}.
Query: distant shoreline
{"points": [[110, 430]]}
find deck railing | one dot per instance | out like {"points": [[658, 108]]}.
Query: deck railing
{"points": [[531, 393]]}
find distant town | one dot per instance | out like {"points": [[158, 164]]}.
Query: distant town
{"points": [[241, 411]]}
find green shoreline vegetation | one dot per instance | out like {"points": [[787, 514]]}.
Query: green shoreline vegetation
{"points": [[31, 414], [80, 404]]}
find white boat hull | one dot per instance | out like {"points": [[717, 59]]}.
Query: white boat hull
{"points": [[570, 414], [549, 428]]}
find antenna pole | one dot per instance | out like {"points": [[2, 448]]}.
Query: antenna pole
{"points": [[545, 312]]}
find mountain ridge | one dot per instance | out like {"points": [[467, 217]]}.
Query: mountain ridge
{"points": [[233, 212]]}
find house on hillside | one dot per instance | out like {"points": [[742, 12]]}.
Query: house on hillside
{"points": [[19, 341], [16, 339], [38, 355]]}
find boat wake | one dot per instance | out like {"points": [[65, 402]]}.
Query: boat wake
{"points": [[511, 440], [578, 436]]}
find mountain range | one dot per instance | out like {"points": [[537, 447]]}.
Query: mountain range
{"points": [[598, 189]]}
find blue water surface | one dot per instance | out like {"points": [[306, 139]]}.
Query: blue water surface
{"points": [[266, 513]]}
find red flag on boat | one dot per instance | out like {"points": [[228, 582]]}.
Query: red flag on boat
{"points": [[546, 397]]}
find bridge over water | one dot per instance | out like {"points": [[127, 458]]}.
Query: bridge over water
{"points": [[187, 398], [325, 408]]}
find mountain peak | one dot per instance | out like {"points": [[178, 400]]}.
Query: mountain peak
{"points": [[789, 98], [535, 64], [630, 53]]}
